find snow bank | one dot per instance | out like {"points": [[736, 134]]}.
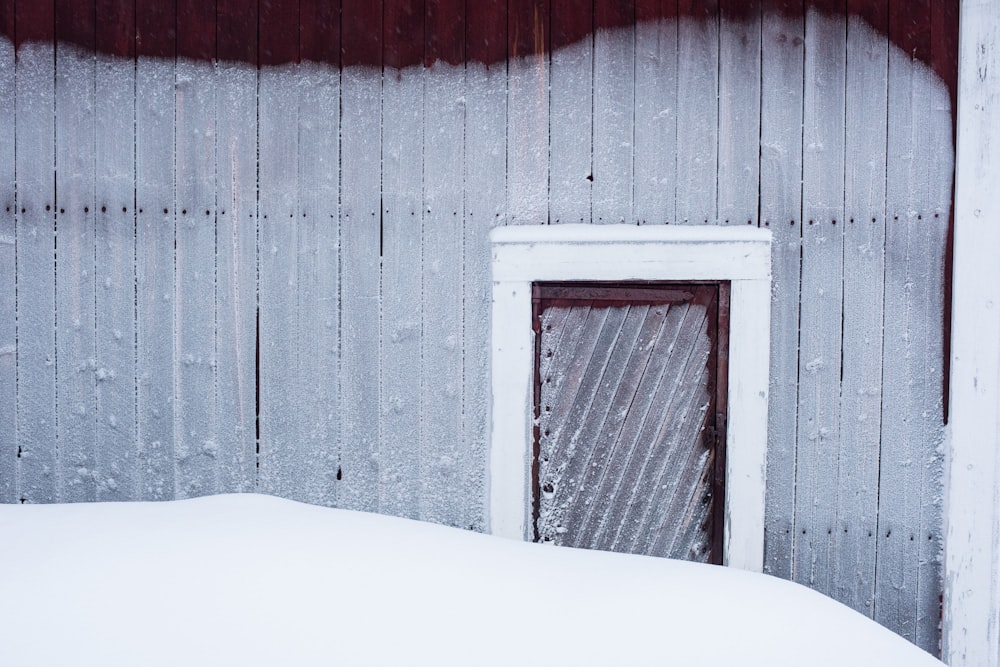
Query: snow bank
{"points": [[253, 580]]}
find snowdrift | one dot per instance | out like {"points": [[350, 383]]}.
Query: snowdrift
{"points": [[252, 580]]}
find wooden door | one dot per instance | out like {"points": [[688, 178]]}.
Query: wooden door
{"points": [[630, 412]]}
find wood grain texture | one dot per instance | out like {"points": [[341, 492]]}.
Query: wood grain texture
{"points": [[697, 111], [527, 112], [818, 438], [441, 372], [360, 141], [79, 372], [484, 193], [781, 211], [656, 79], [739, 111], [195, 252], [908, 575], [38, 455], [864, 268], [403, 212], [611, 429], [318, 218], [278, 169], [571, 113], [614, 116], [115, 464], [8, 267], [236, 246], [155, 239]]}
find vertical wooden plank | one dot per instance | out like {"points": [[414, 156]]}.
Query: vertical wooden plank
{"points": [[818, 438], [38, 453], [194, 305], [656, 67], [939, 139], [864, 266], [527, 111], [441, 365], [697, 110], [315, 459], [614, 113], [116, 466], [780, 210], [571, 107], [360, 146], [78, 371], [484, 192], [739, 111], [402, 215], [278, 168], [907, 587], [154, 192], [236, 260], [8, 265]]}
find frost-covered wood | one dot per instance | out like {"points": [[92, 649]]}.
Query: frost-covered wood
{"points": [[625, 394], [571, 104], [781, 211], [442, 267], [739, 113], [314, 458], [818, 434], [402, 224], [614, 120], [196, 443], [8, 274], [655, 112], [485, 207], [78, 371], [236, 248], [864, 266], [115, 456], [156, 365], [360, 244], [918, 184], [37, 452], [374, 375]]}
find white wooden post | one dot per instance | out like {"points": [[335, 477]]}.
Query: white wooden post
{"points": [[972, 504]]}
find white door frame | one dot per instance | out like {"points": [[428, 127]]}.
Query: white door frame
{"points": [[740, 255]]}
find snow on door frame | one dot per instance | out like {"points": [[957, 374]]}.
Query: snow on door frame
{"points": [[741, 256]]}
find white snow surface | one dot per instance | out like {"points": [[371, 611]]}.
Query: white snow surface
{"points": [[255, 580]]}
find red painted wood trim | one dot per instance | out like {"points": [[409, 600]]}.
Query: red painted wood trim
{"points": [[196, 34], [319, 31], [445, 32], [74, 22], [404, 33], [7, 18], [361, 36], [155, 28], [486, 32], [115, 31], [279, 39], [35, 20]]}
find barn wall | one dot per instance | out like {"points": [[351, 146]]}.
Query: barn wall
{"points": [[163, 215]]}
